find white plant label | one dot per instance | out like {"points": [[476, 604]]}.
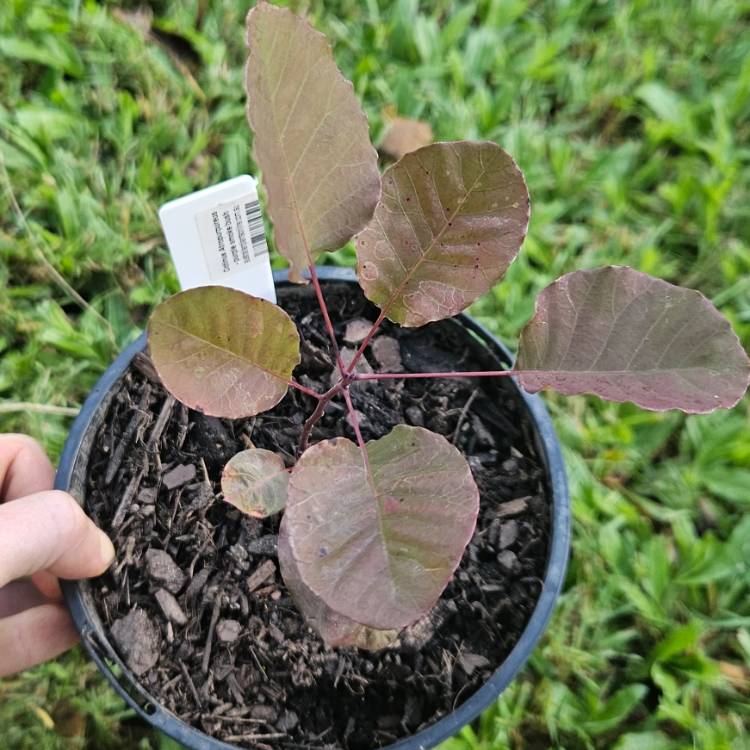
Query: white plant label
{"points": [[216, 236]]}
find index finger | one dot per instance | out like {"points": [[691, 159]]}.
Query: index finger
{"points": [[24, 467]]}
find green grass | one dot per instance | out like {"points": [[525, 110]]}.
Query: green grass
{"points": [[631, 121]]}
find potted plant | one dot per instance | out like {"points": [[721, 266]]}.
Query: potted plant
{"points": [[292, 492]]}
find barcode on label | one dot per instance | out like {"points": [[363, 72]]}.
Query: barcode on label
{"points": [[257, 231], [232, 237]]}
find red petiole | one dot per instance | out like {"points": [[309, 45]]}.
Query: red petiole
{"points": [[348, 375], [365, 342], [304, 389], [408, 375], [355, 426], [326, 317]]}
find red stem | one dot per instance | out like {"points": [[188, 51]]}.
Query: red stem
{"points": [[365, 342], [312, 420], [304, 389], [405, 375], [326, 316]]}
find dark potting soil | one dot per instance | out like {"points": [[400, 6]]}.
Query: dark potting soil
{"points": [[195, 603]]}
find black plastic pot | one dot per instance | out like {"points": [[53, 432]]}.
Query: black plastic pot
{"points": [[71, 477]]}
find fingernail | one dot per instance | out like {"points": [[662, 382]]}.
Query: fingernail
{"points": [[106, 549]]}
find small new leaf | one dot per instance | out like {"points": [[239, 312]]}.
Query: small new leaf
{"points": [[379, 543], [335, 629], [451, 219], [256, 482], [627, 336], [311, 138], [223, 352]]}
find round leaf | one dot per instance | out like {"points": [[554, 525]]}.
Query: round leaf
{"points": [[311, 140], [380, 546], [223, 352], [255, 481], [627, 336], [335, 629], [451, 219]]}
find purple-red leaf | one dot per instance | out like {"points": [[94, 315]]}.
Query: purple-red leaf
{"points": [[223, 352], [255, 481], [311, 138], [379, 544], [335, 629], [627, 336], [451, 219]]}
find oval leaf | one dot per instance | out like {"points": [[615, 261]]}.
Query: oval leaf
{"points": [[311, 138], [379, 546], [335, 629], [627, 336], [223, 352], [450, 221], [255, 481]]}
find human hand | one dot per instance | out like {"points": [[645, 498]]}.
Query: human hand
{"points": [[44, 535]]}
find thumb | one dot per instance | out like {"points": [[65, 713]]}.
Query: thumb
{"points": [[50, 531]]}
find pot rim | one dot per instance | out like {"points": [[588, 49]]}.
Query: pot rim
{"points": [[136, 696]]}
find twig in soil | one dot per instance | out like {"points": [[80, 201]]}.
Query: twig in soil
{"points": [[206, 478], [127, 558], [247, 436], [198, 555], [235, 690], [127, 498], [261, 669], [137, 422], [126, 524], [170, 683], [462, 415], [512, 507], [144, 364], [260, 575], [161, 422], [191, 685], [211, 627], [236, 719], [254, 737], [126, 586], [183, 427], [461, 691], [175, 500]]}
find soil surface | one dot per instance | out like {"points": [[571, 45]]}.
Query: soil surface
{"points": [[195, 603]]}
